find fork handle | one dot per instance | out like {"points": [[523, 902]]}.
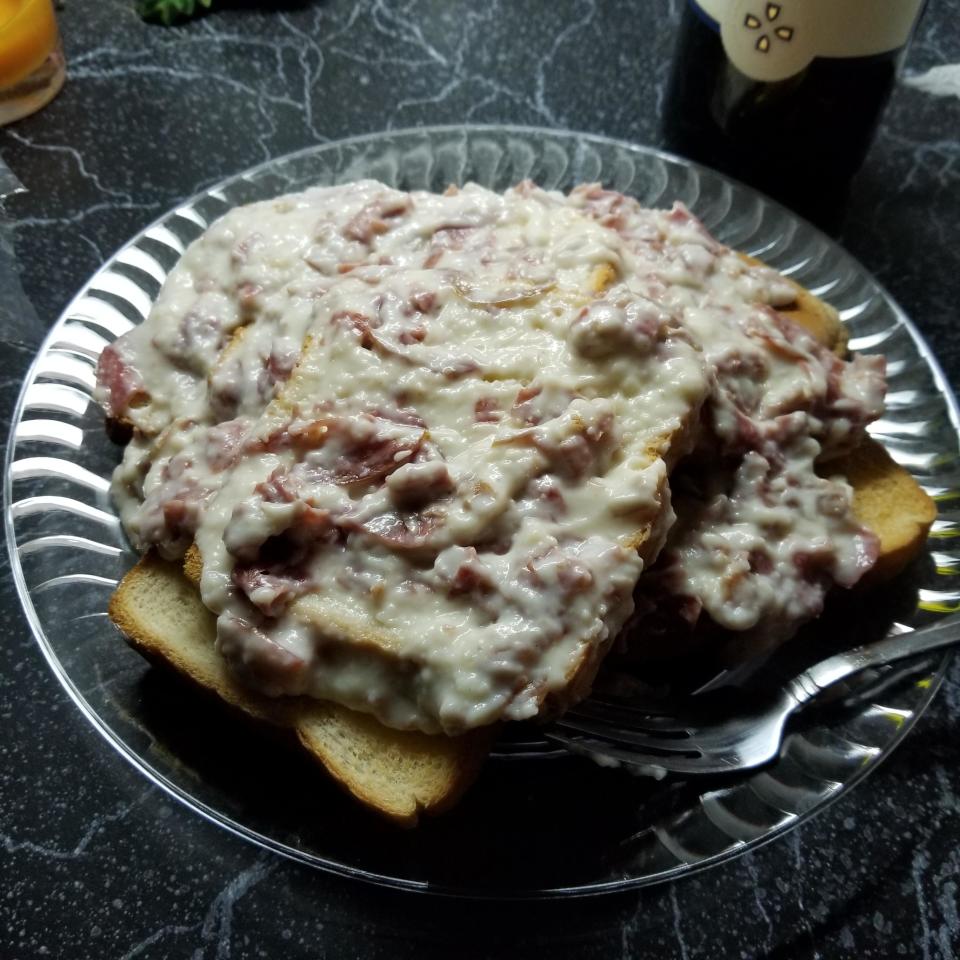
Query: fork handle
{"points": [[943, 633]]}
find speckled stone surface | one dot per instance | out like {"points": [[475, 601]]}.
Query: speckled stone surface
{"points": [[99, 863]]}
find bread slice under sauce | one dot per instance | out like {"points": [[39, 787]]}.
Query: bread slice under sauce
{"points": [[399, 774], [887, 500]]}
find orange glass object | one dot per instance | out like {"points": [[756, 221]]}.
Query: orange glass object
{"points": [[31, 58]]}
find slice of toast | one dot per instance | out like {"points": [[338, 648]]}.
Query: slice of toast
{"points": [[399, 774], [816, 316], [411, 670], [887, 500]]}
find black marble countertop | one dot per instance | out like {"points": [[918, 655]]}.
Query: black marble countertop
{"points": [[99, 863]]}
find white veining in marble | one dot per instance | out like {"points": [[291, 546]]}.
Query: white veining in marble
{"points": [[941, 81]]}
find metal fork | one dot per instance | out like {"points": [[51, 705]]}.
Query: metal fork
{"points": [[703, 737]]}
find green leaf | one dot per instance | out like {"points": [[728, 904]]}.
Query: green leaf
{"points": [[168, 11]]}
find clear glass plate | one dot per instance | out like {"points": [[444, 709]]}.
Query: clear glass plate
{"points": [[539, 822]]}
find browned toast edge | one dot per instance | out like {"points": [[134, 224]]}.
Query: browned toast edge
{"points": [[323, 729]]}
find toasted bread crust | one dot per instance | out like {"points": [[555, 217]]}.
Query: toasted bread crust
{"points": [[398, 774], [888, 501], [816, 316], [819, 319]]}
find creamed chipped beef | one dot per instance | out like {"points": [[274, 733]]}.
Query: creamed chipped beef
{"points": [[423, 442]]}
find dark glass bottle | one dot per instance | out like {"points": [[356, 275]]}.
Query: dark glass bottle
{"points": [[801, 135]]}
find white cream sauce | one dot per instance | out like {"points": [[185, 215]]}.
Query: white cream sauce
{"points": [[422, 442]]}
